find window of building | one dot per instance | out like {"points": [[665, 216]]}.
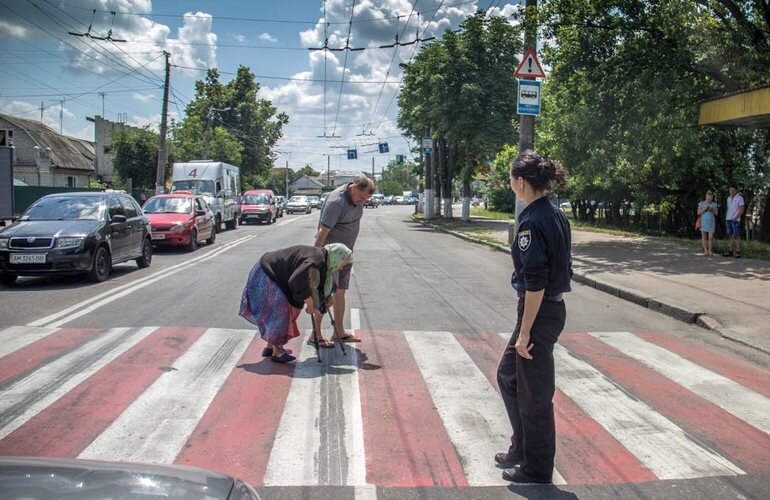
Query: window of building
{"points": [[71, 181]]}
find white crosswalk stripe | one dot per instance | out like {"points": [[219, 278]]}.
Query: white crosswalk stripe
{"points": [[321, 440]]}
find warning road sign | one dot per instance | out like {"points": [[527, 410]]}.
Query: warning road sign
{"points": [[529, 66]]}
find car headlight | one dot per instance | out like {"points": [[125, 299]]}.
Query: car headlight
{"points": [[177, 228], [3, 242], [68, 242]]}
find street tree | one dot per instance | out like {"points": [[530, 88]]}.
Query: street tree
{"points": [[135, 156]]}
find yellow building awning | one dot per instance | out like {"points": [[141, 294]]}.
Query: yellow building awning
{"points": [[749, 109]]}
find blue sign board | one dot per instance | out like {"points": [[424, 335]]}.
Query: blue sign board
{"points": [[384, 147], [352, 154], [427, 144], [529, 97]]}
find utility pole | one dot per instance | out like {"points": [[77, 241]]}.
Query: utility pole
{"points": [[373, 181], [428, 203], [527, 122], [328, 166], [42, 107], [207, 136], [287, 180], [61, 116], [160, 174]]}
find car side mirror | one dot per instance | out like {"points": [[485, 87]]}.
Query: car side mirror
{"points": [[117, 219], [221, 194], [199, 213]]}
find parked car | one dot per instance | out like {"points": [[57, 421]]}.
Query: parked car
{"points": [[258, 205], [389, 200], [315, 201], [374, 201], [75, 233], [280, 205], [180, 219], [298, 204], [398, 200], [44, 477]]}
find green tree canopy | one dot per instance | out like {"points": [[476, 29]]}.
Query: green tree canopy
{"points": [[135, 156]]}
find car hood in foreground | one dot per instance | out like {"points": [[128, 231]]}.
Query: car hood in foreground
{"points": [[50, 228], [32, 477]]}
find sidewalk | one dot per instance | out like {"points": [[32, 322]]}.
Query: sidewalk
{"points": [[726, 295]]}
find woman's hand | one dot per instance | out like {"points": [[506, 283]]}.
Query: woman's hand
{"points": [[310, 309], [523, 345]]}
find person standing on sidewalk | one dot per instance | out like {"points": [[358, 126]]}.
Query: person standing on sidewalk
{"points": [[735, 208], [340, 221], [542, 272], [707, 211]]}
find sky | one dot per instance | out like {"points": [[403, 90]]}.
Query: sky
{"points": [[336, 100]]}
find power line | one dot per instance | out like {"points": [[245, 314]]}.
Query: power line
{"points": [[266, 20], [344, 68], [65, 94]]}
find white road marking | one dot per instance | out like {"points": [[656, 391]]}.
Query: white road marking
{"points": [[659, 444], [155, 427], [470, 407], [749, 406], [17, 337], [35, 392], [355, 320], [82, 308]]}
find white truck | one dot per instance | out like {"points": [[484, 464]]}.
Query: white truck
{"points": [[219, 183]]}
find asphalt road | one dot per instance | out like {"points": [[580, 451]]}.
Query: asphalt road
{"points": [[411, 287]]}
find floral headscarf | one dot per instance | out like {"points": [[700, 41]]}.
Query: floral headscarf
{"points": [[336, 253]]}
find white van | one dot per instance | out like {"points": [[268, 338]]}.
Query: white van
{"points": [[219, 183]]}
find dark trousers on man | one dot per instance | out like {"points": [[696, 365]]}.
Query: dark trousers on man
{"points": [[527, 387]]}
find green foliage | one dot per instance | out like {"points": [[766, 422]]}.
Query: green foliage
{"points": [[187, 142], [307, 170], [254, 124], [135, 156], [621, 103], [397, 178]]}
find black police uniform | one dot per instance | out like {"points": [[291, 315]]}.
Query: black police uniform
{"points": [[541, 260]]}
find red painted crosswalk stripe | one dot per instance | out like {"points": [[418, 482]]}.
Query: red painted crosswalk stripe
{"points": [[32, 357], [730, 436], [236, 433], [739, 370], [406, 442], [585, 452], [68, 426]]}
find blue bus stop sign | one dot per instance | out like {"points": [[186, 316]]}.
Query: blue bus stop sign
{"points": [[529, 97], [384, 147], [352, 154]]}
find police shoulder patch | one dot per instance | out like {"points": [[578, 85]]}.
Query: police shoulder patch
{"points": [[524, 240]]}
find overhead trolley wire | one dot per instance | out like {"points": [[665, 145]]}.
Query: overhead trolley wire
{"points": [[344, 67]]}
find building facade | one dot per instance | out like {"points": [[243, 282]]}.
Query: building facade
{"points": [[103, 132], [43, 157]]}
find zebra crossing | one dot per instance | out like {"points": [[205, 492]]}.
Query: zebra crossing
{"points": [[404, 408]]}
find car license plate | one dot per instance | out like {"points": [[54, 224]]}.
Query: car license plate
{"points": [[156, 236], [32, 258]]}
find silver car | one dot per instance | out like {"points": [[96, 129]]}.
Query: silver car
{"points": [[298, 204]]}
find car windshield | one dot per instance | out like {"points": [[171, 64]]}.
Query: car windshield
{"points": [[69, 208], [178, 205], [297, 199], [196, 186], [255, 199]]}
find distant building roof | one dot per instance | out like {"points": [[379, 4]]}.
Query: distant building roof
{"points": [[66, 152]]}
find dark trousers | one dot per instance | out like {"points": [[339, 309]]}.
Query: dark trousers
{"points": [[527, 387]]}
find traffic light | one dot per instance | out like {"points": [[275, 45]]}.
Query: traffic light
{"points": [[400, 159]]}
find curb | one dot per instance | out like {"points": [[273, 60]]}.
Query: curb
{"points": [[675, 311]]}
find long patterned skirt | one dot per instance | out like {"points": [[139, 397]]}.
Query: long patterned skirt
{"points": [[264, 304]]}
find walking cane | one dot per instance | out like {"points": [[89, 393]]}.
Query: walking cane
{"points": [[334, 328], [315, 339]]}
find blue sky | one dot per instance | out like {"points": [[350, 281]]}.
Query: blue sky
{"points": [[41, 62]]}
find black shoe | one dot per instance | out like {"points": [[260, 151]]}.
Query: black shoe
{"points": [[727, 254], [516, 475], [503, 461], [737, 256]]}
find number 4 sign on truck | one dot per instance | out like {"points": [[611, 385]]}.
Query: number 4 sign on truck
{"points": [[529, 67]]}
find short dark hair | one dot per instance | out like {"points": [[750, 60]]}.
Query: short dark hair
{"points": [[364, 183], [538, 171]]}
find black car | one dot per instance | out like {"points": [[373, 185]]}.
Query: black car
{"points": [[72, 233]]}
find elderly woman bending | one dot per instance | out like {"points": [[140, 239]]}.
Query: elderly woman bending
{"points": [[281, 283]]}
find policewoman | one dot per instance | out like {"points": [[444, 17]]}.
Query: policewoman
{"points": [[542, 271]]}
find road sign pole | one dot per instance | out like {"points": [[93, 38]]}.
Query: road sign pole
{"points": [[527, 122]]}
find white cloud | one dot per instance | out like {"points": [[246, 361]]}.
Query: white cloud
{"points": [[143, 97], [267, 37], [239, 38], [52, 116], [13, 30]]}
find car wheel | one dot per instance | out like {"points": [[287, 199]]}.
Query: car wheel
{"points": [[146, 259], [193, 245], [213, 237], [101, 265], [218, 223], [231, 224], [8, 279]]}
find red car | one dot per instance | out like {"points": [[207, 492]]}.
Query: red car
{"points": [[180, 219], [258, 205]]}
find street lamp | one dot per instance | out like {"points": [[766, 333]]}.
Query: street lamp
{"points": [[207, 136]]}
